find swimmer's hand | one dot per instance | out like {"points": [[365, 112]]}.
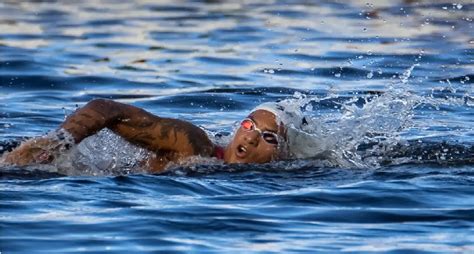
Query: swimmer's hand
{"points": [[40, 150], [34, 151]]}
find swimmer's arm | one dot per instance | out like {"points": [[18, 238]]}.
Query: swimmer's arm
{"points": [[157, 134], [169, 139]]}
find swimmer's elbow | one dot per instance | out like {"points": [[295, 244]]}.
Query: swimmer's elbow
{"points": [[108, 109], [101, 103]]}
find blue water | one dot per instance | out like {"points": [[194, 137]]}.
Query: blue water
{"points": [[401, 71]]}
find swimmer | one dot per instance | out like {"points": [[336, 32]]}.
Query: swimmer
{"points": [[261, 137]]}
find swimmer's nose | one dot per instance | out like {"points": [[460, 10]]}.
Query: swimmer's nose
{"points": [[252, 137]]}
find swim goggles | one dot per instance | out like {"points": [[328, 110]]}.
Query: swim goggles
{"points": [[269, 136]]}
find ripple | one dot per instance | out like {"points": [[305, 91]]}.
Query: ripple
{"points": [[223, 61], [210, 62]]}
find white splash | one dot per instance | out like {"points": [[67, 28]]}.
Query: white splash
{"points": [[104, 153], [335, 137]]}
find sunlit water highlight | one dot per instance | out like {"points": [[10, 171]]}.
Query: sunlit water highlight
{"points": [[386, 88]]}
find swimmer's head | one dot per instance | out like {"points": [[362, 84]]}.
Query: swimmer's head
{"points": [[262, 136]]}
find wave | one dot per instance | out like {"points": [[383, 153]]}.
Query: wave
{"points": [[417, 152]]}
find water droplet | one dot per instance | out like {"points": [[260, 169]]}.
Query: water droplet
{"points": [[337, 75], [365, 29], [445, 7], [459, 6], [370, 75]]}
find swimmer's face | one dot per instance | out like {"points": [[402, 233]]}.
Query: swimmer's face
{"points": [[256, 140]]}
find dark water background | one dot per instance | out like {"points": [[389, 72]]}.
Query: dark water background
{"points": [[210, 62]]}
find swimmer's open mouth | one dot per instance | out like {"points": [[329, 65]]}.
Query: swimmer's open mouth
{"points": [[241, 151]]}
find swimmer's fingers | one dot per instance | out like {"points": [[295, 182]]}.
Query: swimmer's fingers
{"points": [[21, 156], [35, 151]]}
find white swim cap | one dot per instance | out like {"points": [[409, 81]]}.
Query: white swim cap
{"points": [[298, 143], [286, 115]]}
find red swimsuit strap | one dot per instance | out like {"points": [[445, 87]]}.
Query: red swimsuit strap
{"points": [[219, 152]]}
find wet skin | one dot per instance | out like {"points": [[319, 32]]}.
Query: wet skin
{"points": [[167, 139], [249, 146]]}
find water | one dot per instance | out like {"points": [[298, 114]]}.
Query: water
{"points": [[386, 87]]}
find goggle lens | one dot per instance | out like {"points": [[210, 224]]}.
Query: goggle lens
{"points": [[247, 124], [268, 136]]}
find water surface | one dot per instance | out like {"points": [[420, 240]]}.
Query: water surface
{"points": [[387, 86]]}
